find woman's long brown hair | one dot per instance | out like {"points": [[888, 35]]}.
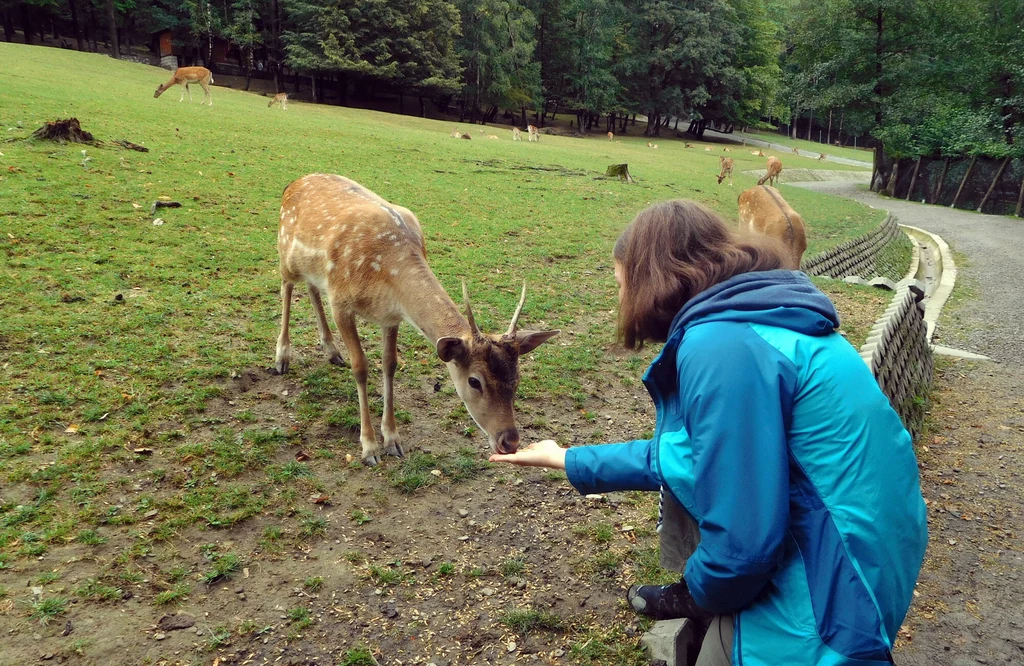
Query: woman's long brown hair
{"points": [[670, 253]]}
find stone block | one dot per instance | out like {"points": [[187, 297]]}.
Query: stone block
{"points": [[669, 640], [882, 283], [853, 279]]}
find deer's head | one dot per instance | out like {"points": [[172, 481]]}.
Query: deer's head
{"points": [[485, 370], [159, 90]]}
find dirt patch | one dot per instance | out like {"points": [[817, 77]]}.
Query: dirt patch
{"points": [[967, 605]]}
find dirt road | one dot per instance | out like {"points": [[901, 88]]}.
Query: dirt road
{"points": [[968, 606]]}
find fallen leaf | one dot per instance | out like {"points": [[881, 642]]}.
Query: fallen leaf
{"points": [[71, 429], [136, 206], [158, 222], [302, 456], [321, 499], [143, 451]]}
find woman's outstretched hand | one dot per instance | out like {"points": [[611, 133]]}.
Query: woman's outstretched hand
{"points": [[545, 453]]}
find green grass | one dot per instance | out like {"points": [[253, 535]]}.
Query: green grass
{"points": [[358, 656], [861, 154], [47, 609], [524, 620]]}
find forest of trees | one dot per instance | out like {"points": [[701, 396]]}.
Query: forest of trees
{"points": [[919, 77]]}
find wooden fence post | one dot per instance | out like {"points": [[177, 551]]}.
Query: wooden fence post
{"points": [[992, 187], [913, 179], [1020, 199], [970, 167], [942, 179]]}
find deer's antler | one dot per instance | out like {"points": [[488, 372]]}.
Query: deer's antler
{"points": [[469, 312], [515, 317]]}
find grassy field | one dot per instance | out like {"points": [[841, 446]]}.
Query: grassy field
{"points": [[815, 147], [147, 457]]}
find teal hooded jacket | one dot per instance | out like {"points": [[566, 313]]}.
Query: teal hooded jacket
{"points": [[773, 434]]}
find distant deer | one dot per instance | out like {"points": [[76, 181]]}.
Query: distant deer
{"points": [[759, 153], [368, 258], [822, 157], [186, 75], [456, 134], [763, 210], [611, 136], [707, 149], [516, 134], [534, 133], [726, 150], [774, 169], [726, 164], [280, 98], [687, 144], [796, 151]]}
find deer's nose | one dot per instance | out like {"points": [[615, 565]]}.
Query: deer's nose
{"points": [[508, 441]]}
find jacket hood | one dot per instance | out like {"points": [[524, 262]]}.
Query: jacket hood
{"points": [[782, 298]]}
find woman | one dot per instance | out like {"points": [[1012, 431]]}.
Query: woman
{"points": [[772, 440]]}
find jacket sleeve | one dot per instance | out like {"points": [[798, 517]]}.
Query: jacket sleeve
{"points": [[608, 467], [736, 392]]}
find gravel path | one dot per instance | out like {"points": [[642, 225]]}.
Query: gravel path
{"points": [[989, 322], [967, 608]]}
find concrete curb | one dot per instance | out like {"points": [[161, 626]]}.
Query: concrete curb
{"points": [[947, 280]]}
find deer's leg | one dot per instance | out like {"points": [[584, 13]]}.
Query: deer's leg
{"points": [[182, 98], [284, 345], [189, 91], [326, 339], [207, 97], [346, 322], [388, 426]]}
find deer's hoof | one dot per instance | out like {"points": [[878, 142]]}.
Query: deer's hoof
{"points": [[394, 449], [281, 367], [337, 360]]}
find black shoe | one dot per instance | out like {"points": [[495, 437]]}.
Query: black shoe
{"points": [[668, 602]]}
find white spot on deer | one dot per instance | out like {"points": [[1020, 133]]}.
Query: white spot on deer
{"points": [[348, 250], [330, 265], [378, 257], [394, 271], [359, 262], [343, 228], [392, 237], [319, 227], [375, 266]]}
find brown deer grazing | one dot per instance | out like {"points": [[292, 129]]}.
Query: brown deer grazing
{"points": [[764, 211], [534, 133], [279, 98], [822, 157], [368, 258], [186, 75], [726, 164], [611, 136], [796, 151], [517, 135], [774, 169]]}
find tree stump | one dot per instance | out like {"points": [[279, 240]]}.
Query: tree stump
{"points": [[68, 129], [620, 170]]}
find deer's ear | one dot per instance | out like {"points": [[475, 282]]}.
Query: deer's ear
{"points": [[452, 349], [530, 340]]}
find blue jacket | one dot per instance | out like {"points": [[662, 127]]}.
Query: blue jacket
{"points": [[773, 434]]}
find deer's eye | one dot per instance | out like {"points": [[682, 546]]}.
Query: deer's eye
{"points": [[474, 383]]}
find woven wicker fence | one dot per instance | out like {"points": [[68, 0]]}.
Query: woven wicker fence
{"points": [[879, 252], [899, 356]]}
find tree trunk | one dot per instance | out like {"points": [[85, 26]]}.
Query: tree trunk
{"points": [[115, 51], [828, 134], [913, 179], [76, 28], [8, 27], [890, 188], [992, 187], [343, 89], [423, 108], [91, 27], [876, 166], [26, 22], [1020, 199], [963, 182], [401, 102], [810, 124], [942, 180]]}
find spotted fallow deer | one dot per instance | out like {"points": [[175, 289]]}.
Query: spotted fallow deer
{"points": [[763, 210], [774, 169], [368, 258], [517, 135], [186, 75], [534, 132], [279, 98], [726, 163]]}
